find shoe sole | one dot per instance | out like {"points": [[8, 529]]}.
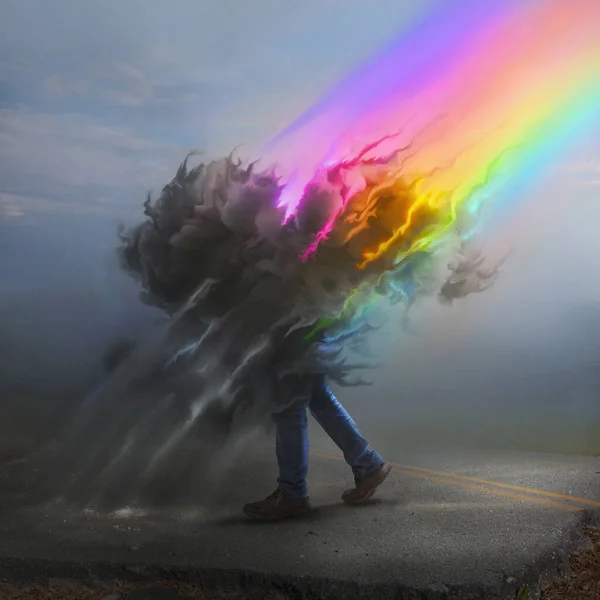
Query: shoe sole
{"points": [[384, 475]]}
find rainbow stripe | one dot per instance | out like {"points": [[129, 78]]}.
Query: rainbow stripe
{"points": [[478, 99]]}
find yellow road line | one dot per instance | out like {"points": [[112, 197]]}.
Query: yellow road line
{"points": [[450, 478]]}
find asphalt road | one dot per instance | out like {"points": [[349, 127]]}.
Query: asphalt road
{"points": [[446, 524]]}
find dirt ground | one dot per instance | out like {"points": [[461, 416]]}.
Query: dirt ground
{"points": [[583, 581], [185, 592]]}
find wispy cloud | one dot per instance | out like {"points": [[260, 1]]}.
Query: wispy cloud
{"points": [[57, 85], [117, 83], [583, 170], [11, 205], [50, 155], [587, 166], [18, 205]]}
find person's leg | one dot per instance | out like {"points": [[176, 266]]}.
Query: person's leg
{"points": [[291, 447], [369, 468], [291, 497]]}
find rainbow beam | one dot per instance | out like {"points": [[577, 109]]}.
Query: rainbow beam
{"points": [[482, 96]]}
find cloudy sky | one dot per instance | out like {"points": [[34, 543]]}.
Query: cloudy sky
{"points": [[99, 101]]}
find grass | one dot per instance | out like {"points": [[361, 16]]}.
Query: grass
{"points": [[583, 580]]}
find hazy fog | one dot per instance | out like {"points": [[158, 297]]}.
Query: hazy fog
{"points": [[99, 103]]}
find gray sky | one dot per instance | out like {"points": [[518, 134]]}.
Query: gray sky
{"points": [[104, 98], [99, 101]]}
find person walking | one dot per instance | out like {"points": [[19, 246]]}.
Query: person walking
{"points": [[291, 498]]}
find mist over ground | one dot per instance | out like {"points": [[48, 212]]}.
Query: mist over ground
{"points": [[516, 366], [84, 135]]}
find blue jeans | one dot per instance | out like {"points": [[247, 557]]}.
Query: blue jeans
{"points": [[292, 439]]}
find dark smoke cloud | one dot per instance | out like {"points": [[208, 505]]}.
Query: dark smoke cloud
{"points": [[237, 340]]}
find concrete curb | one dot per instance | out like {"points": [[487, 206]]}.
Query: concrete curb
{"points": [[48, 572]]}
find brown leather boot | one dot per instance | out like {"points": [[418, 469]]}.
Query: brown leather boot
{"points": [[277, 506], [365, 486]]}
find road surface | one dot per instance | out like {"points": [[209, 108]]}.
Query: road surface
{"points": [[447, 524]]}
